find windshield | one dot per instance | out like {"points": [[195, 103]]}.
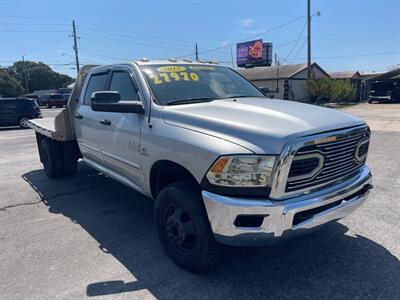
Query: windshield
{"points": [[381, 85], [180, 84]]}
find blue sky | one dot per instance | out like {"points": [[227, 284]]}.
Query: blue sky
{"points": [[349, 35]]}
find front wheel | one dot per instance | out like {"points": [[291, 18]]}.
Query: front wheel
{"points": [[184, 229], [23, 122]]}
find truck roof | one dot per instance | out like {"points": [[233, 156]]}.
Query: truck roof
{"points": [[172, 61]]}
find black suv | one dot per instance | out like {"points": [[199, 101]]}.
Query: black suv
{"points": [[384, 91], [17, 111]]}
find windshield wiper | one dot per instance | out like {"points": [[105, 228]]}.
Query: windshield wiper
{"points": [[191, 100]]}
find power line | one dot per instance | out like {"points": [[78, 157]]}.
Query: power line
{"points": [[135, 34], [33, 31], [33, 24], [297, 41], [104, 56], [356, 55], [300, 49], [124, 41], [250, 37]]}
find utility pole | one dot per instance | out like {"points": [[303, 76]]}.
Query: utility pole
{"points": [[233, 66], [196, 52], [308, 39], [26, 78], [277, 73], [75, 46]]}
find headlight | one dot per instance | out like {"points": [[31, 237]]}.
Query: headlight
{"points": [[242, 171]]}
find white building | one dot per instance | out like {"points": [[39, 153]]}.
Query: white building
{"points": [[285, 81]]}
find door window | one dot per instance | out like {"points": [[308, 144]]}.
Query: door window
{"points": [[96, 83], [122, 83]]}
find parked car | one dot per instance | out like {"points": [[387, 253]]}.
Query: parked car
{"points": [[31, 96], [56, 100], [267, 92], [43, 99], [384, 91], [223, 163], [66, 96], [17, 111]]}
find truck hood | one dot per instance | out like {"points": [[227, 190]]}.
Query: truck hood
{"points": [[258, 124]]}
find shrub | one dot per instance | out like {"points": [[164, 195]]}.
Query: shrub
{"points": [[342, 91], [326, 89]]}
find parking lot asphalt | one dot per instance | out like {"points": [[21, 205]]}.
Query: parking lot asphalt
{"points": [[87, 236]]}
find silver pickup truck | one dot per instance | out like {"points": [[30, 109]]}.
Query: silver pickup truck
{"points": [[224, 164]]}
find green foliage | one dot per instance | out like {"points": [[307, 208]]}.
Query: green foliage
{"points": [[326, 89], [40, 76], [9, 86], [342, 91]]}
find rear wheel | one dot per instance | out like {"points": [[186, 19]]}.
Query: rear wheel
{"points": [[23, 122], [70, 158], [184, 229], [51, 158]]}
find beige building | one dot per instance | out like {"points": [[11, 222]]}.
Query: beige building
{"points": [[285, 81]]}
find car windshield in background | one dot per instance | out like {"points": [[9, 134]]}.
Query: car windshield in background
{"points": [[381, 85], [181, 84]]}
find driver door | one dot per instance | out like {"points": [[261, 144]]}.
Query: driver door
{"points": [[122, 132]]}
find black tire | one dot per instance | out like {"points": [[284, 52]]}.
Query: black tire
{"points": [[196, 249], [51, 158], [23, 122], [70, 159]]}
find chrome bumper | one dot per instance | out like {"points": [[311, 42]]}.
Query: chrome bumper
{"points": [[281, 218]]}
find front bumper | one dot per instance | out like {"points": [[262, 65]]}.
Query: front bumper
{"points": [[285, 218]]}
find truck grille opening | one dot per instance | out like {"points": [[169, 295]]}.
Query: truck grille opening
{"points": [[249, 220], [342, 157], [308, 214], [303, 167]]}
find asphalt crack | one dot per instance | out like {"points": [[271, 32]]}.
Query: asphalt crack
{"points": [[19, 204], [44, 200]]}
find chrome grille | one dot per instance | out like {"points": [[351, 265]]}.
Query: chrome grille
{"points": [[342, 156]]}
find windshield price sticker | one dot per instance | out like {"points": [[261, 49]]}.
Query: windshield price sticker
{"points": [[173, 74]]}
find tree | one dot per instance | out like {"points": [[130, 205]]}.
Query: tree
{"points": [[326, 89], [342, 91], [318, 90], [40, 76], [9, 86]]}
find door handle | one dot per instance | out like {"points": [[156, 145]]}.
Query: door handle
{"points": [[105, 122], [78, 116]]}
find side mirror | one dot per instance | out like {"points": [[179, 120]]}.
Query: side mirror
{"points": [[109, 101], [266, 91]]}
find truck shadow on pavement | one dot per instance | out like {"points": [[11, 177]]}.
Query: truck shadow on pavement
{"points": [[324, 264]]}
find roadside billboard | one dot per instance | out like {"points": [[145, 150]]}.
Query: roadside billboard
{"points": [[254, 53]]}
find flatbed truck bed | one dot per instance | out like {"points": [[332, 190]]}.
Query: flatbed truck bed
{"points": [[46, 127]]}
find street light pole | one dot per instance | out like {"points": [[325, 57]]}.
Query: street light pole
{"points": [[26, 78], [308, 39]]}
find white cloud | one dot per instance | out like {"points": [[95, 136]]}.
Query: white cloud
{"points": [[245, 22], [226, 42]]}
